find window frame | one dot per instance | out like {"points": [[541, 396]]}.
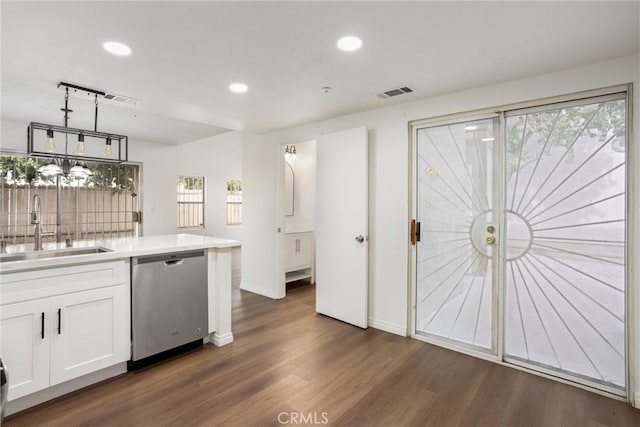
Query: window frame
{"points": [[229, 203], [201, 203]]}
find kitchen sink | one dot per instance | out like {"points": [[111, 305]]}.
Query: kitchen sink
{"points": [[55, 253]]}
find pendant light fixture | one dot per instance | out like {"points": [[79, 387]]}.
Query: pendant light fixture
{"points": [[110, 156], [79, 171], [50, 170], [290, 154]]}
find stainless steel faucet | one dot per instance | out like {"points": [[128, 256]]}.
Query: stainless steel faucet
{"points": [[35, 219]]}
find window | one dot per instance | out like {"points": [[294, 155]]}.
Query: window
{"points": [[234, 202], [190, 202], [101, 206]]}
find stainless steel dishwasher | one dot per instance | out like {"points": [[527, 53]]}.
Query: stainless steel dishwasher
{"points": [[168, 301]]}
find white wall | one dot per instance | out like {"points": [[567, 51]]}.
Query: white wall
{"points": [[389, 181], [304, 201], [217, 158], [259, 221]]}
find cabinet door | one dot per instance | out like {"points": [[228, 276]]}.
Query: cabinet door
{"points": [[305, 250], [89, 331], [24, 346], [291, 252]]}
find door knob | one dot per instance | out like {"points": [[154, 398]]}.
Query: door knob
{"points": [[360, 238], [491, 240]]}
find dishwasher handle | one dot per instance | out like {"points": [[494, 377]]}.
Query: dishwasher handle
{"points": [[173, 262], [168, 259]]}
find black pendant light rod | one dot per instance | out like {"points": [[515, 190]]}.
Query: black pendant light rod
{"points": [[66, 109], [95, 121]]}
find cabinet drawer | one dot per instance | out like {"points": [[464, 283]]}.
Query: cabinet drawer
{"points": [[29, 285]]}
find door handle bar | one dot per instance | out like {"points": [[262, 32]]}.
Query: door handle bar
{"points": [[415, 232]]}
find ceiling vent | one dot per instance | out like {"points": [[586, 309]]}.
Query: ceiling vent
{"points": [[121, 98], [394, 92]]}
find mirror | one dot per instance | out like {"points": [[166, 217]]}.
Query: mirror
{"points": [[289, 189]]}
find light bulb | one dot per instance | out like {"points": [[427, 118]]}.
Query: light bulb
{"points": [[51, 143], [80, 146], [107, 148]]}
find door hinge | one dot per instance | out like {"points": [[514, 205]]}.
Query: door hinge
{"points": [[137, 216]]}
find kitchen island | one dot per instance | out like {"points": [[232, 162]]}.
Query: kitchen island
{"points": [[65, 317]]}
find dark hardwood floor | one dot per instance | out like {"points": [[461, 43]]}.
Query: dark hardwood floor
{"points": [[287, 360]]}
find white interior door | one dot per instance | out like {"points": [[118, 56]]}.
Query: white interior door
{"points": [[342, 226]]}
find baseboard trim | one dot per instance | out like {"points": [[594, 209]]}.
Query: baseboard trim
{"points": [[269, 293], [388, 327], [636, 400], [224, 339]]}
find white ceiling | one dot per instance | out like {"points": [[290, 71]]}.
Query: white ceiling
{"points": [[186, 53]]}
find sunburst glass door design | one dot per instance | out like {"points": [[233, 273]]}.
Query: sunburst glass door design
{"points": [[455, 256], [561, 202], [565, 272]]}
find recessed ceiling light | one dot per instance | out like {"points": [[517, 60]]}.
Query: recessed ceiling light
{"points": [[470, 127], [238, 87], [487, 139], [116, 48], [349, 43]]}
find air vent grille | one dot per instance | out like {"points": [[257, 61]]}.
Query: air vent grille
{"points": [[120, 98], [394, 92]]}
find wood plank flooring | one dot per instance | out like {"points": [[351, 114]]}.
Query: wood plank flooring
{"points": [[288, 359]]}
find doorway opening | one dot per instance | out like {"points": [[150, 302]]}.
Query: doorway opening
{"points": [[296, 214]]}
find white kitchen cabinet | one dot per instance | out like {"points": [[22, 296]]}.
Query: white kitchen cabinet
{"points": [[299, 256], [87, 330], [25, 346], [62, 323]]}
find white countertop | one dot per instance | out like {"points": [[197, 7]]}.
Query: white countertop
{"points": [[118, 249]]}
